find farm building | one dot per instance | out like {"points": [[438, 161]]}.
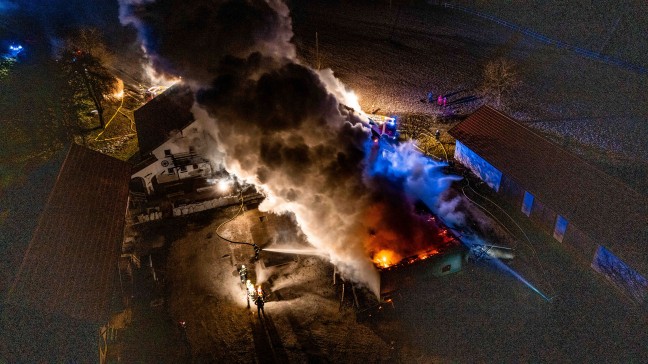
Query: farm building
{"points": [[177, 175], [580, 206], [65, 291], [165, 113]]}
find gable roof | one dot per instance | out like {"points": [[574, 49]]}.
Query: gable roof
{"points": [[171, 110], [607, 210], [69, 267]]}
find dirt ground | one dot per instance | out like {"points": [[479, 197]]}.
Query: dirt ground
{"points": [[303, 321], [481, 314]]}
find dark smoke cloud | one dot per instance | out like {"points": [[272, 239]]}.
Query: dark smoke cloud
{"points": [[190, 38], [282, 129]]}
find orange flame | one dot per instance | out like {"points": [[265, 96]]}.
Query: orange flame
{"points": [[118, 89], [386, 258], [389, 244]]}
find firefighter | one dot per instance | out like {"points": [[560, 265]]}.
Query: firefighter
{"points": [[243, 273], [259, 302], [249, 291], [437, 134], [257, 250]]}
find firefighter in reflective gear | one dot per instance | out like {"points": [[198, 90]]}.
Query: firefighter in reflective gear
{"points": [[249, 291], [243, 273]]}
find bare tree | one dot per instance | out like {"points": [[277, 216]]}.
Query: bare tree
{"points": [[500, 79], [90, 41], [85, 59]]}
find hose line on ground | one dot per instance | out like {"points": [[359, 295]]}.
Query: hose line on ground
{"points": [[230, 219]]}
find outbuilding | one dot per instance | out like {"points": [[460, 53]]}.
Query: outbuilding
{"points": [[67, 288], [579, 205]]}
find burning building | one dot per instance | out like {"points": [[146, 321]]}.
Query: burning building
{"points": [[435, 252], [579, 205], [174, 177]]}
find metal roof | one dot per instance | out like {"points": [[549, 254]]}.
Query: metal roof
{"points": [[70, 265], [604, 208]]}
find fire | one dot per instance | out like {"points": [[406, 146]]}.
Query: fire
{"points": [[394, 241], [157, 78], [386, 258], [428, 253], [352, 100], [118, 89]]}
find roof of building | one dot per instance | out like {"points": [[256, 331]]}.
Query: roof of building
{"points": [[70, 264], [25, 202], [604, 208], [169, 111]]}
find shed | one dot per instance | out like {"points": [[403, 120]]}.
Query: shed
{"points": [[569, 198], [64, 287]]}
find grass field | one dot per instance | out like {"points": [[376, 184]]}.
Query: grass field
{"points": [[391, 57]]}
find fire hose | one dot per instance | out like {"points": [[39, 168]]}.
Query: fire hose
{"points": [[528, 241], [256, 247]]}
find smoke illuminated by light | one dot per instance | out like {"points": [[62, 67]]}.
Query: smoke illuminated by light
{"points": [[224, 185], [155, 77], [278, 124], [341, 92]]}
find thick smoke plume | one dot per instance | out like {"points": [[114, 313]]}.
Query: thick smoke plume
{"points": [[280, 124]]}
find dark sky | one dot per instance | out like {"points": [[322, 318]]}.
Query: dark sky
{"points": [[39, 20], [62, 14]]}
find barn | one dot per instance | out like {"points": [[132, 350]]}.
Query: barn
{"points": [[67, 287], [599, 216]]}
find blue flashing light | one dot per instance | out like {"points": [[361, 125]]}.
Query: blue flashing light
{"points": [[14, 49]]}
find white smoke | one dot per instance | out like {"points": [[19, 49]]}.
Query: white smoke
{"points": [[329, 215]]}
